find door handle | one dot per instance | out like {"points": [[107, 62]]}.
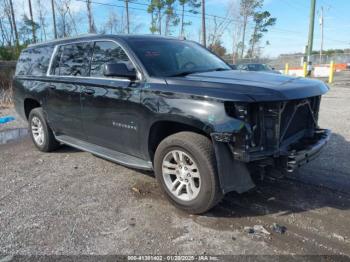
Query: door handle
{"points": [[53, 87], [89, 91]]}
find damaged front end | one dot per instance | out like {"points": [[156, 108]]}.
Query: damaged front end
{"points": [[282, 135]]}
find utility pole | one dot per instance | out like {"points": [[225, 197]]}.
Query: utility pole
{"points": [[32, 20], [321, 24], [311, 35], [14, 24], [204, 35], [54, 18], [127, 16]]}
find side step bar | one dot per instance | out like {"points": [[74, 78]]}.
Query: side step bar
{"points": [[112, 155]]}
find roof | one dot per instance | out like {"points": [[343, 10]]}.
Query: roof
{"points": [[96, 36]]}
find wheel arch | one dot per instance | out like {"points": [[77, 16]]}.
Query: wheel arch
{"points": [[29, 105], [161, 129]]}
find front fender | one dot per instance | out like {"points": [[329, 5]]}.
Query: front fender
{"points": [[210, 116]]}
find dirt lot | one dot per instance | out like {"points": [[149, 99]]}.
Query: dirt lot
{"points": [[70, 202]]}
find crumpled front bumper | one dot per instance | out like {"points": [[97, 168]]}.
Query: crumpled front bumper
{"points": [[297, 158]]}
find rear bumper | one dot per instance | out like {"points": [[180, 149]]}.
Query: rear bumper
{"points": [[297, 158]]}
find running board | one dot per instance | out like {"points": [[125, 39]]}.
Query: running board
{"points": [[112, 155]]}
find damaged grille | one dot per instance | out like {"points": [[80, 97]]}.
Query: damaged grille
{"points": [[274, 126], [278, 124]]}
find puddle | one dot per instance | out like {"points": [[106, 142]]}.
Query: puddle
{"points": [[12, 135]]}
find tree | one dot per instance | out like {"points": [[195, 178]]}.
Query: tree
{"points": [[155, 8], [32, 19], [235, 29], [216, 29], [42, 20], [66, 23], [247, 10], [193, 5], [262, 21], [92, 27], [171, 18], [13, 23], [6, 26], [114, 24], [26, 30], [218, 48]]}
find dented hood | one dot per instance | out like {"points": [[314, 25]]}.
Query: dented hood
{"points": [[257, 86]]}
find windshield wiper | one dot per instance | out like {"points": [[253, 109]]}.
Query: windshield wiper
{"points": [[219, 69], [184, 73]]}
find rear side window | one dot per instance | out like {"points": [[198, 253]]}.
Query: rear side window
{"points": [[72, 60], [108, 52], [34, 61]]}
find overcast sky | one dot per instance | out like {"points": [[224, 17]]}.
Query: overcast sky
{"points": [[287, 36]]}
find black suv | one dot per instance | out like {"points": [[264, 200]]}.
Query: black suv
{"points": [[171, 106]]}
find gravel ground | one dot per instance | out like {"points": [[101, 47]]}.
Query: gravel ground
{"points": [[70, 202]]}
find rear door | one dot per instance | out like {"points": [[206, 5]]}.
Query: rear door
{"points": [[69, 67], [111, 110]]}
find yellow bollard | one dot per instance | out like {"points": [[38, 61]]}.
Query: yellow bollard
{"points": [[286, 69], [305, 69], [331, 73]]}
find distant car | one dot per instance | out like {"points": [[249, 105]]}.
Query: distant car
{"points": [[257, 67]]}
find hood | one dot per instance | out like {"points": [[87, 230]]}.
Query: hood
{"points": [[258, 86]]}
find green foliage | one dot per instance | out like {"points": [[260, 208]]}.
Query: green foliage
{"points": [[10, 53], [25, 31], [218, 48], [193, 7], [262, 21], [155, 9], [248, 7]]}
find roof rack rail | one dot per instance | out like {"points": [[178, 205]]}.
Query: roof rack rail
{"points": [[64, 38]]}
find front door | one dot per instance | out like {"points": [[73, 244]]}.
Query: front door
{"points": [[68, 68], [111, 111]]}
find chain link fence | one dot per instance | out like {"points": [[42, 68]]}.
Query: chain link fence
{"points": [[295, 61]]}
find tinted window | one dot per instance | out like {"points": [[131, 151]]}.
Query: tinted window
{"points": [[173, 57], [34, 61], [107, 52], [71, 60], [75, 59], [55, 64]]}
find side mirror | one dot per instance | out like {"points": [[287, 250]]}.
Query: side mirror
{"points": [[118, 70]]}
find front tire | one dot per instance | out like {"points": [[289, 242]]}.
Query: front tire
{"points": [[185, 167], [40, 132]]}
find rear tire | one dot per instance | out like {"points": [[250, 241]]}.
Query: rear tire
{"points": [[185, 167], [40, 132]]}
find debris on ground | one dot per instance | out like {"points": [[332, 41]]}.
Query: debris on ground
{"points": [[278, 228], [136, 190], [132, 222], [257, 229], [6, 119], [339, 237]]}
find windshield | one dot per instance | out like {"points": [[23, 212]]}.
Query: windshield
{"points": [[164, 57]]}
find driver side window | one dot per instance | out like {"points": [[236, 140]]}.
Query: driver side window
{"points": [[108, 52]]}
